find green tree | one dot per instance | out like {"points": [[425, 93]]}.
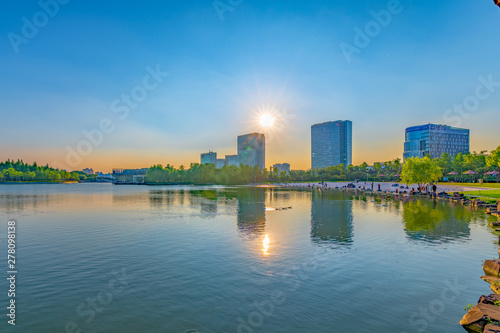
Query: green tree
{"points": [[420, 171], [493, 160]]}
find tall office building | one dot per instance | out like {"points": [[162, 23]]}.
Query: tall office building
{"points": [[209, 158], [435, 140], [88, 171], [331, 144], [231, 160], [220, 163], [252, 150], [282, 167]]}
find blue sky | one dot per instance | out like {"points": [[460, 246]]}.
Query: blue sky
{"points": [[278, 55]]}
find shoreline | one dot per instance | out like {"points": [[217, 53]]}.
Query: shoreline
{"points": [[385, 186], [40, 183]]}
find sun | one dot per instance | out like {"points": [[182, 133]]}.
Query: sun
{"points": [[266, 120]]}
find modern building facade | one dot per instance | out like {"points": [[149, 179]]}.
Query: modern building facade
{"points": [[209, 158], [435, 140], [282, 167], [252, 150], [231, 160], [129, 175], [220, 163], [331, 144], [88, 171]]}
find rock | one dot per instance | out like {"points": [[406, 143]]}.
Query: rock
{"points": [[495, 287], [479, 316], [492, 267], [492, 328], [490, 279], [477, 203], [489, 299]]}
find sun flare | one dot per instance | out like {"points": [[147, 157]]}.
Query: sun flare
{"points": [[266, 120]]}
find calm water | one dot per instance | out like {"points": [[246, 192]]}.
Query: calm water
{"points": [[103, 258]]}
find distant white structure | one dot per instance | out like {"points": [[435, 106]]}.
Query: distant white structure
{"points": [[105, 178]]}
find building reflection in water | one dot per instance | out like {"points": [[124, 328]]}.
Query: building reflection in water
{"points": [[206, 200], [331, 218], [436, 221], [251, 216]]}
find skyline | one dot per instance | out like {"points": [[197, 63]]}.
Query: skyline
{"points": [[281, 57]]}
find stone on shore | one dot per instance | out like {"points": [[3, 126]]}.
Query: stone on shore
{"points": [[492, 267], [490, 279], [489, 299], [492, 328], [479, 316], [495, 287]]}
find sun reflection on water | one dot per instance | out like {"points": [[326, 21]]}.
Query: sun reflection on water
{"points": [[265, 245]]}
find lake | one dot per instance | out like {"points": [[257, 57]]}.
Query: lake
{"points": [[104, 258]]}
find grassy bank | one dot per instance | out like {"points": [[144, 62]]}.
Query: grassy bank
{"points": [[485, 185], [488, 194]]}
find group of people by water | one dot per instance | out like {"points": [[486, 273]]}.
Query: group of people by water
{"points": [[427, 189]]}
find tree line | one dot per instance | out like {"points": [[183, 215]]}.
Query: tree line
{"points": [[420, 170], [199, 174], [20, 171]]}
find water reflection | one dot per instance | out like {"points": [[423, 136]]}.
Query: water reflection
{"points": [[265, 245], [251, 217], [432, 221], [331, 218], [157, 198], [15, 203]]}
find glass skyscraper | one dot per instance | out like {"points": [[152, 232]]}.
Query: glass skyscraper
{"points": [[209, 158], [252, 150], [331, 144], [435, 140]]}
